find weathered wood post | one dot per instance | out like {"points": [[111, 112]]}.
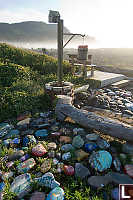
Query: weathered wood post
{"points": [[60, 51]]}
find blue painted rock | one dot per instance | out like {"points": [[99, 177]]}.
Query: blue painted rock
{"points": [[129, 170], [47, 180], [67, 147], [90, 146], [117, 164], [13, 133], [26, 141], [15, 142], [78, 130], [100, 160], [103, 144], [66, 156], [21, 185], [92, 137], [68, 170], [81, 171], [38, 150], [41, 133], [55, 161], [129, 106], [56, 194], [77, 142], [25, 157], [4, 129], [26, 165], [115, 194], [38, 196], [46, 166], [16, 155], [2, 186], [7, 142]]}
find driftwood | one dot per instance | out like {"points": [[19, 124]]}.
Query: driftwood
{"points": [[114, 128]]}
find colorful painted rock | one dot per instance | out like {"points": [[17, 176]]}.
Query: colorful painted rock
{"points": [[46, 166], [90, 147], [92, 137], [38, 150], [117, 164], [51, 145], [55, 134], [77, 142], [66, 156], [115, 194], [4, 129], [47, 180], [65, 139], [15, 142], [7, 142], [68, 170], [67, 147], [25, 157], [81, 155], [78, 130], [129, 170], [9, 164], [7, 175], [38, 196], [21, 185], [13, 133], [103, 144], [26, 165], [2, 186], [100, 160], [26, 141], [32, 139], [41, 133], [56, 194], [81, 171], [99, 181]]}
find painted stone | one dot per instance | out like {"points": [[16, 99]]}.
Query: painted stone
{"points": [[7, 142], [99, 181], [117, 164], [16, 155], [100, 160], [68, 170], [92, 137], [26, 141], [55, 161], [21, 185], [38, 196], [47, 180], [55, 134], [65, 139], [15, 142], [103, 144], [90, 146], [38, 150], [120, 178], [41, 133], [2, 186], [25, 166], [46, 166], [81, 171], [115, 194], [81, 155], [129, 170], [4, 129], [58, 155], [9, 164], [12, 133], [77, 142], [51, 145], [66, 156], [56, 194], [67, 147], [25, 157]]}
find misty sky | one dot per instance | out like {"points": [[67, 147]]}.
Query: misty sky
{"points": [[109, 21]]}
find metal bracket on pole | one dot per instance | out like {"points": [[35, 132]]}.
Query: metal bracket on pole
{"points": [[72, 36]]}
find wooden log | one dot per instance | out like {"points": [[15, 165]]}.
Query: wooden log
{"points": [[114, 128]]}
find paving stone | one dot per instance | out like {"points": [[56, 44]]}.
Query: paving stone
{"points": [[81, 171], [120, 178], [99, 181], [41, 133]]}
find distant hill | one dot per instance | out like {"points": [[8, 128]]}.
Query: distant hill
{"points": [[33, 32]]}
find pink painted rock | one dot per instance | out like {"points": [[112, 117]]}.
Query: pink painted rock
{"points": [[129, 170], [65, 139], [38, 196], [68, 170], [38, 150]]}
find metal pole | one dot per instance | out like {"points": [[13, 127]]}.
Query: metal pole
{"points": [[60, 51]]}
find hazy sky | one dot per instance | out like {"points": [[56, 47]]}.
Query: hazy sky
{"points": [[109, 21]]}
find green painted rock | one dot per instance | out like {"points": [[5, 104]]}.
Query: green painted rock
{"points": [[77, 142]]}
